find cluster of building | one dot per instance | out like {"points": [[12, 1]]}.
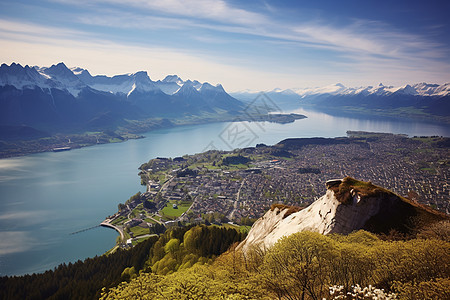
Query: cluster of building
{"points": [[410, 167]]}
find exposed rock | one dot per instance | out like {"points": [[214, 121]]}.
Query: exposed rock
{"points": [[348, 205]]}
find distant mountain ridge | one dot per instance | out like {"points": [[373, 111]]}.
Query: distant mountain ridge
{"points": [[418, 89], [421, 101], [58, 98]]}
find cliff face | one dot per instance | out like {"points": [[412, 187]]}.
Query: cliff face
{"points": [[348, 205]]}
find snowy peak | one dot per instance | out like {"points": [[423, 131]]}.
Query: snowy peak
{"points": [[64, 78], [119, 84], [141, 76], [408, 90], [77, 70], [60, 71], [143, 83], [188, 89], [173, 79], [21, 77], [76, 79], [220, 88], [330, 89], [419, 89], [206, 87], [82, 74], [58, 99], [170, 85]]}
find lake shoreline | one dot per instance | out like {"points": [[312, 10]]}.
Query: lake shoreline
{"points": [[79, 188], [78, 141]]}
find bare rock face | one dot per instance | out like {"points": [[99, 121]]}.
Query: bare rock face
{"points": [[348, 205]]}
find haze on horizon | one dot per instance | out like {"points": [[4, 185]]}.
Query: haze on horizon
{"points": [[258, 45]]}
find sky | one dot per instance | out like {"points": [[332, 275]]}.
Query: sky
{"points": [[255, 44]]}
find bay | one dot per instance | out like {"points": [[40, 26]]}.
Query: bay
{"points": [[46, 197]]}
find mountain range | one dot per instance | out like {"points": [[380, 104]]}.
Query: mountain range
{"points": [[47, 100], [421, 100], [59, 99]]}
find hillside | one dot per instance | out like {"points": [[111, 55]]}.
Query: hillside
{"points": [[348, 205], [319, 252]]}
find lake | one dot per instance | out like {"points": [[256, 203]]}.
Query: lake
{"points": [[46, 197]]}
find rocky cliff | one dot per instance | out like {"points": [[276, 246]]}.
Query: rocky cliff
{"points": [[347, 205]]}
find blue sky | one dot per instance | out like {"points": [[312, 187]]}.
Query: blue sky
{"points": [[257, 45]]}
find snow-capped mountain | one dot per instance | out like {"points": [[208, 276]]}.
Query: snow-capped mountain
{"points": [[422, 100], [22, 77], [120, 84], [170, 85], [188, 89], [47, 98], [216, 95], [63, 78], [75, 79], [419, 89]]}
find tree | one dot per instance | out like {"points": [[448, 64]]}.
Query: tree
{"points": [[172, 246], [120, 206], [298, 266]]}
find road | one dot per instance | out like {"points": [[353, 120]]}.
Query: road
{"points": [[236, 203], [107, 223]]}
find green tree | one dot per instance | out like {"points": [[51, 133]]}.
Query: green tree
{"points": [[298, 266], [172, 246]]}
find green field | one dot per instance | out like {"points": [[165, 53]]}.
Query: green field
{"points": [[139, 240], [119, 220], [169, 211], [148, 220], [115, 140], [137, 230]]}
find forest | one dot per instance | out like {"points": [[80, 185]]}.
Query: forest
{"points": [[308, 265], [177, 248]]}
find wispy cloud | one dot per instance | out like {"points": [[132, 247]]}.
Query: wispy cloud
{"points": [[24, 31], [213, 10], [153, 27], [360, 36], [108, 57]]}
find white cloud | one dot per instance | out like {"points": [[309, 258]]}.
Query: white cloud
{"points": [[359, 36], [17, 28], [213, 10], [110, 58], [372, 50]]}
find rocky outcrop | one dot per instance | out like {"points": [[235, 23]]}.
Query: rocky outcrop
{"points": [[347, 205]]}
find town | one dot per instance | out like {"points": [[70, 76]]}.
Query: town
{"points": [[237, 187]]}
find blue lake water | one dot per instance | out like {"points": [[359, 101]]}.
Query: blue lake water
{"points": [[46, 197]]}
